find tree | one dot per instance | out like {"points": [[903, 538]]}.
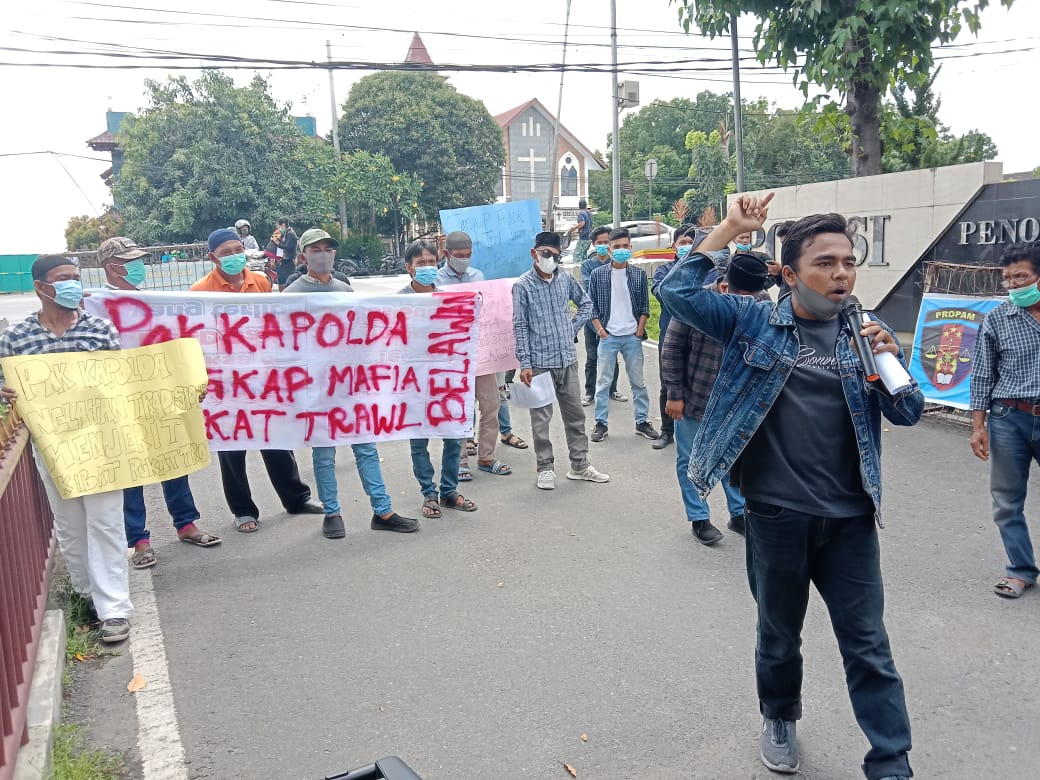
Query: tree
{"points": [[857, 47], [711, 169], [83, 233], [205, 153], [427, 129]]}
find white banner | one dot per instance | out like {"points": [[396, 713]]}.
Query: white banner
{"points": [[290, 370]]}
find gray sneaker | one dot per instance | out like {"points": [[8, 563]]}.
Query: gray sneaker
{"points": [[115, 630], [779, 745]]}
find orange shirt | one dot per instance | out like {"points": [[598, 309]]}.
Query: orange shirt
{"points": [[215, 282]]}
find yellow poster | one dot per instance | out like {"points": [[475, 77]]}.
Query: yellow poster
{"points": [[112, 420]]}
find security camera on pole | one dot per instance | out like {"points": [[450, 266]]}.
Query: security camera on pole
{"points": [[650, 169]]}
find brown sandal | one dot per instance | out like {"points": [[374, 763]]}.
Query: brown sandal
{"points": [[458, 501], [430, 508], [514, 441]]}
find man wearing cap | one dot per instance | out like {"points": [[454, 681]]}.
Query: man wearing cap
{"points": [[230, 275], [89, 528], [318, 253], [123, 262], [689, 365], [458, 249], [545, 333]]}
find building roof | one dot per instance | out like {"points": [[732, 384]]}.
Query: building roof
{"points": [[506, 118], [417, 53], [105, 142]]}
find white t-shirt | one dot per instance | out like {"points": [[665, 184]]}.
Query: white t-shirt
{"points": [[622, 320]]}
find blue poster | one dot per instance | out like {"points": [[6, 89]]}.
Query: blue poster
{"points": [[503, 235], [944, 344]]}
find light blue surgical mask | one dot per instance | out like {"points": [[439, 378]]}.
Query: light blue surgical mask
{"points": [[682, 251], [621, 255], [1025, 296], [743, 247], [602, 249], [136, 271], [426, 275], [68, 293], [233, 264]]}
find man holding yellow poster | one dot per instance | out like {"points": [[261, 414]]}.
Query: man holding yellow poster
{"points": [[99, 423]]}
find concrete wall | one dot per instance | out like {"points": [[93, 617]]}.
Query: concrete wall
{"points": [[896, 216]]}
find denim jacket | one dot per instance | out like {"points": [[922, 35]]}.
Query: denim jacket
{"points": [[761, 345]]}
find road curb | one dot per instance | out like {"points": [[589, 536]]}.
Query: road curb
{"points": [[45, 697]]}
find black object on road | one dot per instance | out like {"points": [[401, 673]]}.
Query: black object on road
{"points": [[391, 768]]}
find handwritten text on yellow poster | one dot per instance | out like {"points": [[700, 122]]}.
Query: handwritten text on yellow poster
{"points": [[112, 420]]}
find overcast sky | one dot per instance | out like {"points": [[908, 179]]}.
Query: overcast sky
{"points": [[983, 85]]}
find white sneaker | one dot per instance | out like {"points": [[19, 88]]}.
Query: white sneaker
{"points": [[589, 474], [546, 479], [586, 400]]}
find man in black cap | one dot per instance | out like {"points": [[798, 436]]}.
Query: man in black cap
{"points": [[689, 365], [545, 333], [89, 528]]}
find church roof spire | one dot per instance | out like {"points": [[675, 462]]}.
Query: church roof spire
{"points": [[417, 53]]}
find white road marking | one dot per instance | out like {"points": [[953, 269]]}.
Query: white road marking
{"points": [[158, 737]]}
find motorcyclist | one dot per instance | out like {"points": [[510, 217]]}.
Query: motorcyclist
{"points": [[243, 227]]}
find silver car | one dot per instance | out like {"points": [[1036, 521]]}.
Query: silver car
{"points": [[645, 235]]}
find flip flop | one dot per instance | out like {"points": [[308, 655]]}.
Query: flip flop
{"points": [[514, 441], [143, 559], [1010, 587], [241, 521], [495, 467], [465, 475], [201, 539]]}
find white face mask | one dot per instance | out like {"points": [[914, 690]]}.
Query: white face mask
{"points": [[546, 264], [320, 262]]}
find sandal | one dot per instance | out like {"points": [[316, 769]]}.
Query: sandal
{"points": [[143, 558], [495, 467], [201, 539], [1011, 587], [465, 475], [430, 508], [458, 501], [514, 441], [242, 522], [471, 447]]}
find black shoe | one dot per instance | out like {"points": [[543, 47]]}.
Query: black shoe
{"points": [[599, 433], [646, 430], [616, 396], [308, 507], [332, 527], [706, 533], [403, 525], [736, 524], [663, 440]]}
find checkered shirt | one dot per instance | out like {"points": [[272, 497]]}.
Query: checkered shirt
{"points": [[29, 337], [599, 292], [1006, 363], [690, 362], [542, 322]]}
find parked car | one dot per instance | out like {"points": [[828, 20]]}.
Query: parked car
{"points": [[645, 235]]}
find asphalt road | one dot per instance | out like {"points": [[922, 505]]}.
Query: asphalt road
{"points": [[486, 645]]}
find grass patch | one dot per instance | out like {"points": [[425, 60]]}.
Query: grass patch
{"points": [[72, 761], [81, 638], [653, 325]]}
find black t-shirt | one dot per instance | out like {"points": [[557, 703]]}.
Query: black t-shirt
{"points": [[804, 456]]}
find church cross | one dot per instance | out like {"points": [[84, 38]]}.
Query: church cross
{"points": [[532, 160]]}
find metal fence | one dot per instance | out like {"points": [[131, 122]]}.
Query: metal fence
{"points": [[174, 267], [26, 552]]}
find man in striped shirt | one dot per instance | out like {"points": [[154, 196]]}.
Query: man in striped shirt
{"points": [[1005, 382], [545, 333]]}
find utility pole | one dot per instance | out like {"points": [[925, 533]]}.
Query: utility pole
{"points": [[738, 111], [335, 138], [615, 109]]}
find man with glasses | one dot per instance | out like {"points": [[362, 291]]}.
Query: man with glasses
{"points": [[545, 333], [1005, 382]]}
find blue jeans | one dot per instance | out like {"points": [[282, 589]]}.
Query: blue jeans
{"points": [[786, 551], [505, 425], [696, 508], [1014, 443], [366, 458], [631, 349], [179, 503], [422, 466]]}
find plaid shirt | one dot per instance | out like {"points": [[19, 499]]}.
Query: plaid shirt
{"points": [[1006, 363], [545, 330], [599, 291], [29, 337], [689, 364]]}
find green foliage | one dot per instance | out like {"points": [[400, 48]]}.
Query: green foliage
{"points": [[857, 47], [447, 141], [653, 322], [363, 247], [72, 761], [85, 232], [205, 153]]}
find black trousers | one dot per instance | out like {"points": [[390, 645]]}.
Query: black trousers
{"points": [[591, 351], [282, 471]]}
